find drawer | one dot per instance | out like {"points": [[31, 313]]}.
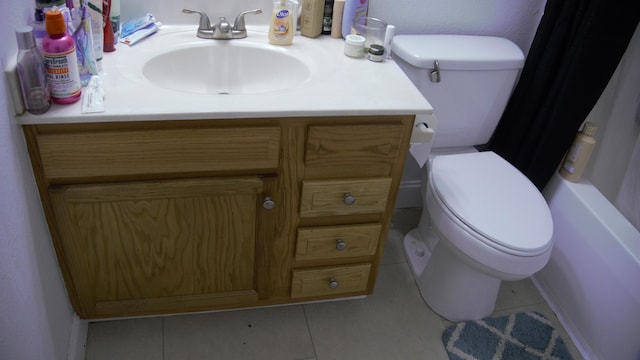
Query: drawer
{"points": [[157, 151], [330, 280], [344, 197], [352, 150], [336, 242]]}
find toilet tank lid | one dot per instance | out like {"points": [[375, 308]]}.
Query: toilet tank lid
{"points": [[458, 52]]}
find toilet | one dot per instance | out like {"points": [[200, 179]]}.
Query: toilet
{"points": [[483, 221]]}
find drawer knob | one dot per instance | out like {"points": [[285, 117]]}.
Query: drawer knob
{"points": [[333, 283], [340, 244], [349, 199], [268, 203]]}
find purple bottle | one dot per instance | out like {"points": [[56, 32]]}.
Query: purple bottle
{"points": [[60, 59]]}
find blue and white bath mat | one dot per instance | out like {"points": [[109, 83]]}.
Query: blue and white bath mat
{"points": [[521, 336]]}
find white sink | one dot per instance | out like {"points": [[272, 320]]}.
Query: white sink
{"points": [[226, 67], [181, 62]]}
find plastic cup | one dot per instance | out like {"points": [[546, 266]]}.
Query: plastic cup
{"points": [[371, 28]]}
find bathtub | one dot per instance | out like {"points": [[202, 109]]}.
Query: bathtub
{"points": [[592, 280]]}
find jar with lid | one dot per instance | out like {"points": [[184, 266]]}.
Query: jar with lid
{"points": [[354, 46], [376, 53]]}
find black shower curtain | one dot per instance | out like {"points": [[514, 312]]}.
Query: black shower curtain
{"points": [[575, 52]]}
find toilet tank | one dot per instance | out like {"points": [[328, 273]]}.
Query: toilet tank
{"points": [[472, 86]]}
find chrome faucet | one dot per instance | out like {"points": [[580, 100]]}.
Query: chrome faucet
{"points": [[223, 30]]}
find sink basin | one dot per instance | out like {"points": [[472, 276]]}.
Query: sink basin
{"points": [[226, 67]]}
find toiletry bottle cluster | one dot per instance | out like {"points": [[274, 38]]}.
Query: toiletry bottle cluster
{"points": [[56, 59], [330, 17], [364, 36]]}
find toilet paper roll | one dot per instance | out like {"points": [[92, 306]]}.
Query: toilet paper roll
{"points": [[420, 152], [421, 142]]}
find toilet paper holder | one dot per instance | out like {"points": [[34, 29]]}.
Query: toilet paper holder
{"points": [[422, 138], [421, 133]]}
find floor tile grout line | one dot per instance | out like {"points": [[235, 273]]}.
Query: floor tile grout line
{"points": [[306, 321], [164, 345]]}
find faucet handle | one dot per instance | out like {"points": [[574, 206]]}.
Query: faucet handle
{"points": [[204, 24], [238, 24]]}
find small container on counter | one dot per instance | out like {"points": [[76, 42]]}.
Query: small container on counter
{"points": [[354, 46], [376, 53]]}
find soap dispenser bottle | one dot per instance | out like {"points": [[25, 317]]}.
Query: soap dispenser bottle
{"points": [[281, 25], [578, 155]]}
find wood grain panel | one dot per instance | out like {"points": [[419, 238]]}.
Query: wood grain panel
{"points": [[352, 150], [321, 242], [159, 239], [90, 154], [315, 281], [326, 197]]}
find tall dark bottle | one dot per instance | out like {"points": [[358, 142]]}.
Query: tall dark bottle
{"points": [[31, 72]]}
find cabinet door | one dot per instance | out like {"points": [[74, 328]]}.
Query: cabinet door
{"points": [[161, 246]]}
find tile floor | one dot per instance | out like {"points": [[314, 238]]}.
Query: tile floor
{"points": [[392, 323]]}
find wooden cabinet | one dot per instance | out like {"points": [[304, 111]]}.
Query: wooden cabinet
{"points": [[150, 244], [176, 216], [351, 178]]}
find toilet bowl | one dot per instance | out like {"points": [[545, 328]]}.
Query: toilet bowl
{"points": [[483, 221], [491, 223]]}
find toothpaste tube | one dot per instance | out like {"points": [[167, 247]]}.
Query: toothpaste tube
{"points": [[136, 24], [93, 96], [141, 34]]}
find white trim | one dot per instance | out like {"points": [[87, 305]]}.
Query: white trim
{"points": [[581, 345], [409, 194], [77, 338]]}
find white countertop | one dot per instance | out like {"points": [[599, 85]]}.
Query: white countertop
{"points": [[344, 86]]}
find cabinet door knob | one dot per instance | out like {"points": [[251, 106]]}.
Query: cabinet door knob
{"points": [[268, 203], [340, 244], [349, 199], [333, 283]]}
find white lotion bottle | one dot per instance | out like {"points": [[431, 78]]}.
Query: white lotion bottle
{"points": [[578, 155]]}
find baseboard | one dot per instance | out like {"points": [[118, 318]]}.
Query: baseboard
{"points": [[409, 194], [568, 326], [78, 338]]}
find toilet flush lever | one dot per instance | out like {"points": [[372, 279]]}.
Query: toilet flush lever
{"points": [[435, 73]]}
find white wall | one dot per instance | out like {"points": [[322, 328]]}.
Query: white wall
{"points": [[35, 313], [514, 20]]}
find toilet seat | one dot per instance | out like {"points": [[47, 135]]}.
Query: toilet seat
{"points": [[494, 200]]}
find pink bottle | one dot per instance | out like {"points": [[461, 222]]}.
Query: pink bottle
{"points": [[60, 59]]}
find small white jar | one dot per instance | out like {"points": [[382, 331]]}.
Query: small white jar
{"points": [[354, 46]]}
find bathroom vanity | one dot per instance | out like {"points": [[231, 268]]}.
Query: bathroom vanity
{"points": [[179, 202]]}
